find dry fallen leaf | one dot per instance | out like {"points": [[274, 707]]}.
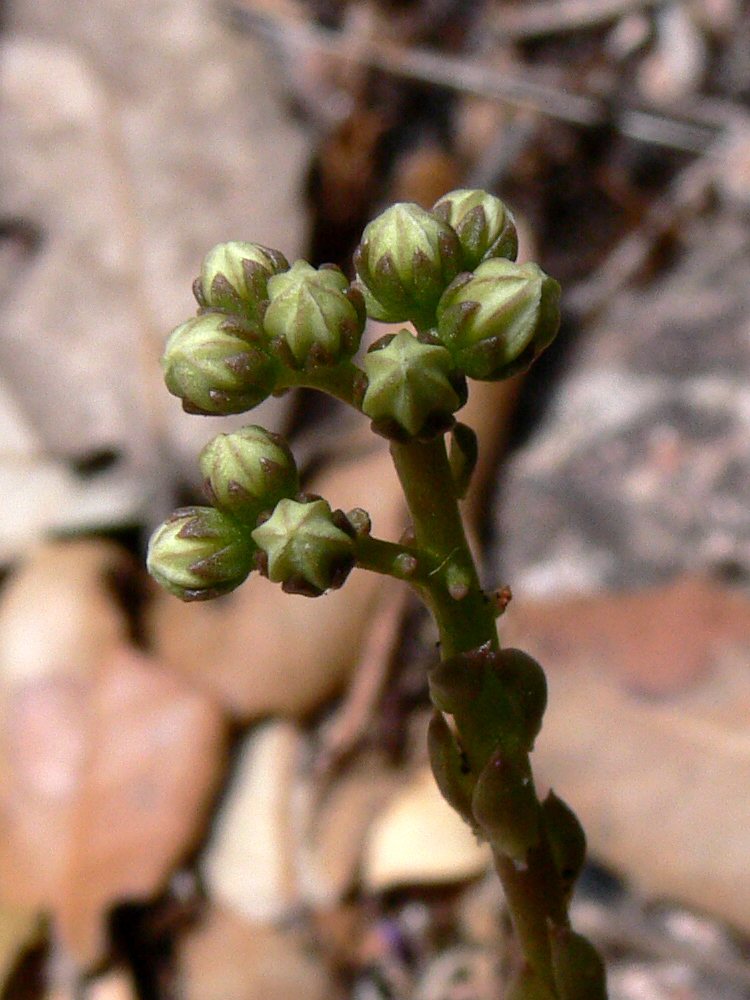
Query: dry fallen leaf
{"points": [[660, 785], [656, 640], [249, 862], [228, 958], [331, 850], [419, 839], [107, 761], [19, 930], [113, 986], [276, 844]]}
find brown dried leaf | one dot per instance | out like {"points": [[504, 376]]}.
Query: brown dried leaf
{"points": [[660, 785], [419, 839], [19, 930], [657, 639], [249, 863], [227, 957], [107, 761]]}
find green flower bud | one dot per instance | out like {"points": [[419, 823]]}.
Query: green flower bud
{"points": [[514, 701], [578, 969], [412, 388], [234, 277], [406, 260], [307, 547], [496, 321], [526, 686], [449, 767], [248, 471], [567, 840], [199, 553], [505, 806], [216, 367], [457, 681], [484, 225], [315, 317]]}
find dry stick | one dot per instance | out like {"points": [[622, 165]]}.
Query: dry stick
{"points": [[370, 673], [632, 252], [551, 17], [454, 73]]}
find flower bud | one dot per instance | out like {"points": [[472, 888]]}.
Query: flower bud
{"points": [[567, 840], [525, 684], [217, 368], [199, 553], [307, 547], [457, 681], [248, 471], [412, 387], [449, 767], [496, 321], [505, 806], [406, 260], [314, 316], [234, 276], [577, 967], [484, 225]]}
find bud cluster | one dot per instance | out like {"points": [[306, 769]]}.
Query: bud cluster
{"points": [[452, 272], [258, 321], [263, 325], [259, 520]]}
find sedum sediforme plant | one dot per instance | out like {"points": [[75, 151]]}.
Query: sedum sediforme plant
{"points": [[263, 327]]}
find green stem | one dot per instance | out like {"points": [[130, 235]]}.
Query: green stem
{"points": [[345, 381], [465, 620], [392, 559], [469, 622]]}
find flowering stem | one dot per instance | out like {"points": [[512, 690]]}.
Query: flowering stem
{"points": [[467, 622], [400, 561], [465, 619], [345, 381]]}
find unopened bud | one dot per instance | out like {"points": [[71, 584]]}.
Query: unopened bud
{"points": [[449, 767], [406, 260], [505, 806], [484, 225], [306, 550], [248, 471], [578, 969], [234, 277], [199, 553], [216, 367], [525, 684], [496, 321], [315, 314], [412, 387], [567, 840]]}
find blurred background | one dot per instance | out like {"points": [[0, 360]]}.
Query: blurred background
{"points": [[232, 801]]}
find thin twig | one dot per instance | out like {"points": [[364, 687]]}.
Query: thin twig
{"points": [[550, 17], [460, 74]]}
